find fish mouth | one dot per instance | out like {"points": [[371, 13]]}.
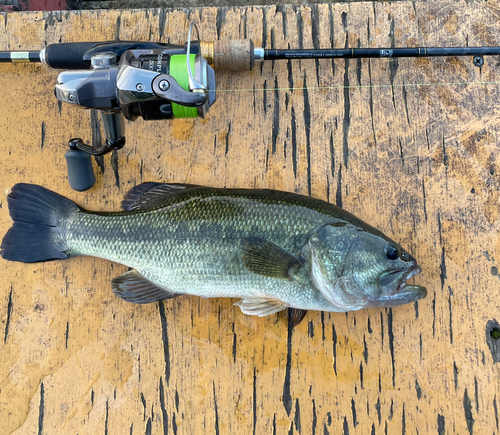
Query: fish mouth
{"points": [[414, 271], [403, 293], [415, 292]]}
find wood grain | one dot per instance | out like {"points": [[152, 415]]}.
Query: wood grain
{"points": [[408, 145]]}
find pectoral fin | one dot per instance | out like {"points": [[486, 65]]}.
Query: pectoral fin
{"points": [[260, 306], [267, 259], [133, 287]]}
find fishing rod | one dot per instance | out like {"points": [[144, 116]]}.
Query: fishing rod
{"points": [[154, 81]]}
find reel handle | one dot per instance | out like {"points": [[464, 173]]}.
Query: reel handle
{"points": [[80, 172], [78, 158]]}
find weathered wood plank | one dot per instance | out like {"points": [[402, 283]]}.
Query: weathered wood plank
{"points": [[409, 146]]}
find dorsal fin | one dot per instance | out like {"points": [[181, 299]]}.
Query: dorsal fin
{"points": [[150, 195]]}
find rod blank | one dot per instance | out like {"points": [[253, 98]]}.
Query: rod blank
{"points": [[356, 53]]}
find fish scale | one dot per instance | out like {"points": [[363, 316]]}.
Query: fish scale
{"points": [[188, 251]]}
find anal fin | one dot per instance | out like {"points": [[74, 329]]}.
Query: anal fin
{"points": [[133, 287], [260, 306]]}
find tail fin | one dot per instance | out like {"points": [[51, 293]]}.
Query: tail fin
{"points": [[36, 234]]}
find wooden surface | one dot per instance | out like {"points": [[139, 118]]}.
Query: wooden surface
{"points": [[421, 163]]}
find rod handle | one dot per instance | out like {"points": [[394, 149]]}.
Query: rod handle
{"points": [[231, 55], [68, 55]]}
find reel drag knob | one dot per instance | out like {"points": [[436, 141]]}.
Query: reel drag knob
{"points": [[80, 172]]}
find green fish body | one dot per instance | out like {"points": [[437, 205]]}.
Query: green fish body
{"points": [[273, 250]]}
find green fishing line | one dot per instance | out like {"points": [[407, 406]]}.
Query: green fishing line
{"points": [[178, 70]]}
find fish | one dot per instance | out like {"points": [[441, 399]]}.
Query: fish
{"points": [[277, 252]]}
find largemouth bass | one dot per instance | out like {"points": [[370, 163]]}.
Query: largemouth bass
{"points": [[273, 250]]}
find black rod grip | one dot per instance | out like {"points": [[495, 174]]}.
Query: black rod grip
{"points": [[68, 55], [77, 55]]}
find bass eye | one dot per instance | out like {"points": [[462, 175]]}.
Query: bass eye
{"points": [[391, 252]]}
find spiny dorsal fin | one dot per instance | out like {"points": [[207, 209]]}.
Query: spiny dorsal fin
{"points": [[292, 316], [133, 287], [267, 259], [150, 195], [260, 306]]}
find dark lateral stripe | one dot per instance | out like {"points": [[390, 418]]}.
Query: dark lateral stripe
{"points": [[19, 56]]}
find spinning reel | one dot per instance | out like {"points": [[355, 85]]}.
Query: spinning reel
{"points": [[128, 80], [153, 82], [161, 81]]}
